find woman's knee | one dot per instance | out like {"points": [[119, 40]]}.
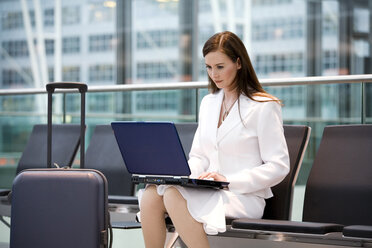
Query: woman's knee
{"points": [[173, 199]]}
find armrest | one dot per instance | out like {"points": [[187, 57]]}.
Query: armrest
{"points": [[5, 206], [358, 231], [5, 197], [4, 192], [286, 226], [120, 199]]}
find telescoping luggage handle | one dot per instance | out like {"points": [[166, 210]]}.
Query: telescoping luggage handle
{"points": [[83, 88]]}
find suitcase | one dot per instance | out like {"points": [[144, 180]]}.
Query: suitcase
{"points": [[62, 207]]}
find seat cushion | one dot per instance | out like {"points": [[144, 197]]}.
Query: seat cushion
{"points": [[286, 226], [359, 231], [125, 225], [121, 199]]}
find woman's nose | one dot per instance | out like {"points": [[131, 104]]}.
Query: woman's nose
{"points": [[214, 74]]}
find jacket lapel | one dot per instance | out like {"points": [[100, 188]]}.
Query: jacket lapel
{"points": [[233, 119], [214, 114]]}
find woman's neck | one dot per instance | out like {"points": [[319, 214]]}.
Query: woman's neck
{"points": [[228, 101], [230, 96]]}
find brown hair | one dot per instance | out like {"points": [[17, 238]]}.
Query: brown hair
{"points": [[246, 81]]}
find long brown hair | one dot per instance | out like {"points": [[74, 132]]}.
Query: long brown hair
{"points": [[246, 81]]}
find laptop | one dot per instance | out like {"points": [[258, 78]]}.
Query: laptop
{"points": [[153, 154]]}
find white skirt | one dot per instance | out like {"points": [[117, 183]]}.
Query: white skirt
{"points": [[211, 207]]}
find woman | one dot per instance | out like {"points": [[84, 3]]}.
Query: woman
{"points": [[239, 139]]}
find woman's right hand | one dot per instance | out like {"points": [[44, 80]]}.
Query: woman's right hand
{"points": [[213, 175]]}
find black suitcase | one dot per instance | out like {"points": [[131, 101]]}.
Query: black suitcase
{"points": [[60, 207]]}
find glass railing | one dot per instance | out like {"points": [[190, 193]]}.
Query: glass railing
{"points": [[312, 101]]}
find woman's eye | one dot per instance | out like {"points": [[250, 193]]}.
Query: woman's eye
{"points": [[220, 67]]}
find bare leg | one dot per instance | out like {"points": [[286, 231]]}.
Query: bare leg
{"points": [[152, 218], [191, 231]]}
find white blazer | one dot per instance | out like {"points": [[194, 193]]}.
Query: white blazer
{"points": [[249, 147]]}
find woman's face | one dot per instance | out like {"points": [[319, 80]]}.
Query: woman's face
{"points": [[221, 69]]}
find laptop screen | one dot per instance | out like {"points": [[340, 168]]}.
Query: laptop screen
{"points": [[151, 148]]}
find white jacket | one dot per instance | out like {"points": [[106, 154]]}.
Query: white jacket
{"points": [[249, 147]]}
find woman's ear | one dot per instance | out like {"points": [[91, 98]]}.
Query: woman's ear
{"points": [[238, 64]]}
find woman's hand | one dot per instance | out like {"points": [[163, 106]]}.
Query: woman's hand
{"points": [[212, 175]]}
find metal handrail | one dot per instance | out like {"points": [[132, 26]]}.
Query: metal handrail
{"points": [[346, 79]]}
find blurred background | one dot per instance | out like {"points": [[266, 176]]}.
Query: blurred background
{"points": [[105, 43]]}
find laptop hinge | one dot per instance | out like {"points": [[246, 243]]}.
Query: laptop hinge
{"points": [[144, 176]]}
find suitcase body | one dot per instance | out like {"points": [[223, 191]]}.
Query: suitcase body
{"points": [[59, 208]]}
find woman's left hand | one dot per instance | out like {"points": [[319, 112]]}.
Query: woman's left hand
{"points": [[213, 175]]}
